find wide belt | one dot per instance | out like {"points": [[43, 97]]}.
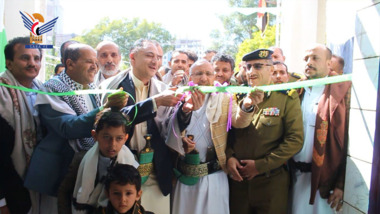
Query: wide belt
{"points": [[301, 166], [199, 170], [271, 172]]}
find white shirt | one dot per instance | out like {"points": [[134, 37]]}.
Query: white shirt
{"points": [[309, 108], [138, 141]]}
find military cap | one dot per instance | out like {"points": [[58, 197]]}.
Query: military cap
{"points": [[258, 54]]}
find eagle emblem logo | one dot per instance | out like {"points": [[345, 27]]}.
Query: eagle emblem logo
{"points": [[34, 24], [263, 54]]}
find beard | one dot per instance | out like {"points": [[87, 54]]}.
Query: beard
{"points": [[109, 72]]}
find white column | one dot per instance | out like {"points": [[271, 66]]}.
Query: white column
{"points": [[303, 22]]}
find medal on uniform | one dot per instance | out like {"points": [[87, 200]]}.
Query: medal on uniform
{"points": [[271, 111]]}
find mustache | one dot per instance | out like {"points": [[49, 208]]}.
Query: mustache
{"points": [[310, 67], [110, 63]]}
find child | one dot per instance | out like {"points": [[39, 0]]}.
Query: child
{"points": [[123, 189], [110, 132]]}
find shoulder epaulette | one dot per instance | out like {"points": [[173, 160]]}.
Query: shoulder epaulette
{"points": [[296, 75], [291, 93]]}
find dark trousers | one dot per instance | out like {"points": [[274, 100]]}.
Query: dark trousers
{"points": [[260, 195]]}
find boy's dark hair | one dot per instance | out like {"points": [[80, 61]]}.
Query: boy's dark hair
{"points": [[123, 174], [111, 117], [9, 51]]}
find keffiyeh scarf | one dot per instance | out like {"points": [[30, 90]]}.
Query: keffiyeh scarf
{"points": [[63, 83]]}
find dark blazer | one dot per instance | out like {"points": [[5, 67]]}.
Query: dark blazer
{"points": [[53, 155], [162, 159], [11, 184]]}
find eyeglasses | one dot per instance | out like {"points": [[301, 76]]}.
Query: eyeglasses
{"points": [[257, 66], [199, 74]]}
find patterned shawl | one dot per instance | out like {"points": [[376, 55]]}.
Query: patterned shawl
{"points": [[14, 108], [63, 83]]}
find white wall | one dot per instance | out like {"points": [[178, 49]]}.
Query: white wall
{"points": [[363, 106], [14, 25], [12, 18], [302, 23]]}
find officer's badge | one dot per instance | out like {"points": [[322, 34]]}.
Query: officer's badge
{"points": [[272, 111], [263, 54]]}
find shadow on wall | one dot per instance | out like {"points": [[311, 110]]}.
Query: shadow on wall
{"points": [[365, 26], [356, 190]]}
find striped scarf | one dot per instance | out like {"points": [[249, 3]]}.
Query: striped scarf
{"points": [[63, 83]]}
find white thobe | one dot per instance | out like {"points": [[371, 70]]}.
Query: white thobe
{"points": [[302, 187], [211, 194]]}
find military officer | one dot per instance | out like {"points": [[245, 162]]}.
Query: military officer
{"points": [[257, 154]]}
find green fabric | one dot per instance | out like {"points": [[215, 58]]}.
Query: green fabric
{"points": [[144, 179], [68, 93], [188, 180], [211, 89], [192, 159], [146, 157], [265, 88], [3, 42]]}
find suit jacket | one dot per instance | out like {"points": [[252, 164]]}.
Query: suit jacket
{"points": [[52, 156], [162, 158]]}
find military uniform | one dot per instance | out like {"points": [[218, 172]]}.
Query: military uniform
{"points": [[271, 138], [294, 77]]}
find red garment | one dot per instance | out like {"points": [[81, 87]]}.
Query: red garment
{"points": [[330, 141]]}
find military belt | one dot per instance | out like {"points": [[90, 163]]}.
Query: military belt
{"points": [[271, 172], [302, 166]]}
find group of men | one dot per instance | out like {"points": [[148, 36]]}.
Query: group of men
{"points": [[265, 152]]}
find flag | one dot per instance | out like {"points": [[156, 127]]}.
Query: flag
{"points": [[3, 37], [262, 18]]}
